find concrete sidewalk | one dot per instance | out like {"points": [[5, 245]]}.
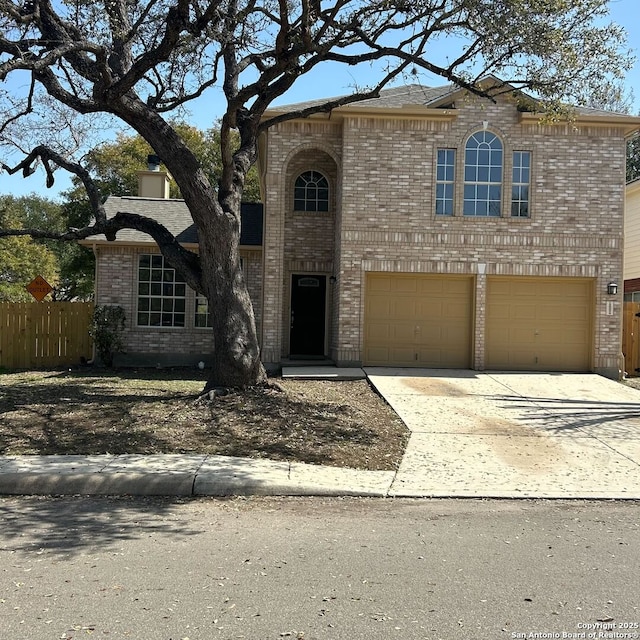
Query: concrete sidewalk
{"points": [[182, 475], [473, 434]]}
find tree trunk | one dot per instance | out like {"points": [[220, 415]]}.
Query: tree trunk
{"points": [[236, 357]]}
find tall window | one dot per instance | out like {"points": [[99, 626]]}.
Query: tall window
{"points": [[202, 317], [311, 192], [161, 293], [483, 175], [520, 184], [445, 179]]}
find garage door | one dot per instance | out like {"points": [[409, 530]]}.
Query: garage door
{"points": [[539, 324], [418, 320]]}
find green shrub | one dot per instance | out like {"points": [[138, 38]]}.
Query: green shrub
{"points": [[107, 328]]}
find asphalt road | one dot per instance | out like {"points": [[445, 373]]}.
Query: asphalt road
{"points": [[262, 569]]}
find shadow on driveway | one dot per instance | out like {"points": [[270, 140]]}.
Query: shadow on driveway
{"points": [[561, 414]]}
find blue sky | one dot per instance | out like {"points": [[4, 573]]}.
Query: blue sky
{"points": [[332, 82]]}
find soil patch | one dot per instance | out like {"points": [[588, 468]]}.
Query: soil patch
{"points": [[339, 423]]}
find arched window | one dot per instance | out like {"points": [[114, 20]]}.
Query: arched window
{"points": [[483, 175], [311, 192]]}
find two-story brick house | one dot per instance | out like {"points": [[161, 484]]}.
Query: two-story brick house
{"points": [[424, 228], [433, 228]]}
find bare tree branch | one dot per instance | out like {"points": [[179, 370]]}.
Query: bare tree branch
{"points": [[24, 112], [47, 157], [180, 258]]}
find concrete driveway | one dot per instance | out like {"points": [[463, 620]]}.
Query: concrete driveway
{"points": [[473, 434]]}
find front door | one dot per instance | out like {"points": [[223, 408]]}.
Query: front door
{"points": [[308, 307]]}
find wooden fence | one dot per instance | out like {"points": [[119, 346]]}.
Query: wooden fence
{"points": [[36, 335]]}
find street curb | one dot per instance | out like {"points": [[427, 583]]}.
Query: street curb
{"points": [[140, 484], [171, 484], [220, 487], [218, 476]]}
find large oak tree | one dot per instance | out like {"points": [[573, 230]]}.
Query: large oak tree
{"points": [[141, 61]]}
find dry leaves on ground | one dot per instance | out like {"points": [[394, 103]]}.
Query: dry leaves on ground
{"points": [[339, 423]]}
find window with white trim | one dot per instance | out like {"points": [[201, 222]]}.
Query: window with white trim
{"points": [[445, 181], [202, 317], [161, 293], [483, 175], [520, 184], [311, 192]]}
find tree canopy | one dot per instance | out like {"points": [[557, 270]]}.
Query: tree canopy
{"points": [[67, 267], [21, 258], [143, 62], [114, 165]]}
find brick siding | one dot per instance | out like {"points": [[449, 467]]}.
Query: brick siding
{"points": [[381, 171], [117, 269]]}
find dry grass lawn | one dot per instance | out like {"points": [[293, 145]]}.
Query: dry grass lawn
{"points": [[145, 411]]}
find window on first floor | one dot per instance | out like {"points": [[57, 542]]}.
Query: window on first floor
{"points": [[161, 293], [202, 316]]}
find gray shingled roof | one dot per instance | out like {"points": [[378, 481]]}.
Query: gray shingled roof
{"points": [[408, 94], [389, 98], [588, 111], [412, 94], [175, 216]]}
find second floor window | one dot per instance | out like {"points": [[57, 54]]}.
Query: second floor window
{"points": [[520, 184], [311, 192], [445, 181], [483, 175]]}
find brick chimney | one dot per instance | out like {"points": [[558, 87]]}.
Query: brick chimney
{"points": [[153, 183]]}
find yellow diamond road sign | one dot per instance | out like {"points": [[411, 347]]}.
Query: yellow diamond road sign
{"points": [[39, 288]]}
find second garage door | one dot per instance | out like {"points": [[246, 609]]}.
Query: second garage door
{"points": [[418, 320], [539, 324]]}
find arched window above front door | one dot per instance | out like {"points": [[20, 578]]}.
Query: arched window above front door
{"points": [[311, 192]]}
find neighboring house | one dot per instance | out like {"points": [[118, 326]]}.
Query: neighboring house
{"points": [[632, 242], [424, 228]]}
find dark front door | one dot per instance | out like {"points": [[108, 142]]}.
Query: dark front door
{"points": [[308, 306]]}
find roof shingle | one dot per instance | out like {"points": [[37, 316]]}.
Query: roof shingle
{"points": [[175, 216], [389, 98], [412, 94]]}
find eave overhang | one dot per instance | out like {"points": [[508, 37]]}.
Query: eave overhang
{"points": [[407, 112], [633, 187], [629, 124], [87, 242]]}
